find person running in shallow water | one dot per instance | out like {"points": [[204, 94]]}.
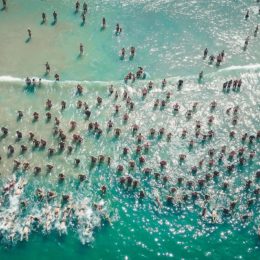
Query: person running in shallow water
{"points": [[47, 67], [83, 18], [247, 15], [81, 49], [29, 33], [201, 75], [55, 15], [4, 4], [132, 51], [205, 53], [118, 29], [77, 6], [122, 53], [246, 42], [103, 22], [85, 8], [43, 18], [256, 30]]}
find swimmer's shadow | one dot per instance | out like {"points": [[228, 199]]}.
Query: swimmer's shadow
{"points": [[2, 137], [29, 89], [131, 57], [9, 155], [79, 56], [18, 119], [28, 40], [46, 74]]}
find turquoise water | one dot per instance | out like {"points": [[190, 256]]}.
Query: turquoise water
{"points": [[169, 37]]}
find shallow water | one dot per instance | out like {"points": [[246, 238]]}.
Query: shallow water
{"points": [[170, 37]]}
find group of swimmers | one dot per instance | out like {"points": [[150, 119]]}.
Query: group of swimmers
{"points": [[219, 58], [132, 52], [181, 190], [235, 84], [51, 212]]}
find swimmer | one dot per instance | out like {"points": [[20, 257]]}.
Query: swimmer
{"points": [[29, 33], [205, 53], [99, 100], [135, 127], [222, 54], [48, 115], [81, 49], [103, 23], [83, 18], [219, 59], [256, 30], [144, 92], [43, 143], [211, 59], [73, 125], [35, 116], [85, 8], [79, 91], [63, 105], [43, 18], [111, 89], [37, 170], [23, 148], [77, 5], [201, 75], [117, 132], [77, 162], [213, 105], [20, 114], [103, 189], [4, 4], [69, 149], [164, 82], [246, 42], [132, 51], [163, 164], [247, 15], [55, 16], [49, 167], [57, 121], [118, 29], [10, 149], [19, 135], [28, 81], [150, 85], [47, 67], [57, 77], [122, 53], [48, 104]]}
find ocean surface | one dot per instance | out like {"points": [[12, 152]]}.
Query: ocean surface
{"points": [[170, 37]]}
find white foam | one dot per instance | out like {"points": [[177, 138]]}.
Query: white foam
{"points": [[245, 67]]}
